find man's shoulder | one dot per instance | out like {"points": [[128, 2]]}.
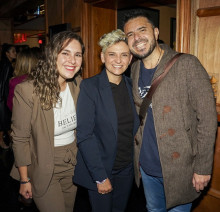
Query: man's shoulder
{"points": [[188, 61], [135, 67]]}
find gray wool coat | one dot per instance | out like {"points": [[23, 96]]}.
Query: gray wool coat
{"points": [[185, 121]]}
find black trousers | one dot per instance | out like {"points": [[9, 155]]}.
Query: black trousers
{"points": [[115, 201]]}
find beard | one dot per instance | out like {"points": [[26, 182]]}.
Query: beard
{"points": [[144, 54]]}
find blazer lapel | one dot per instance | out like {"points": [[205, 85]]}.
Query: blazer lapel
{"points": [[49, 116], [74, 89], [164, 60], [136, 119], [108, 101]]}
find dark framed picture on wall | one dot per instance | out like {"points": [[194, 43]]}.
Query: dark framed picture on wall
{"points": [[54, 29], [154, 13], [173, 33]]}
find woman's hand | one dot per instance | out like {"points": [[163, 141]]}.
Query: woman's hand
{"points": [[25, 190], [25, 186], [104, 188]]}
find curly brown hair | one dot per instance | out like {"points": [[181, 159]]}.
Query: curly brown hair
{"points": [[45, 76]]}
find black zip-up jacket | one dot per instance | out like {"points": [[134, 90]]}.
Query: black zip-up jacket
{"points": [[6, 72]]}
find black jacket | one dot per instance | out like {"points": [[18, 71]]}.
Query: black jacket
{"points": [[6, 72]]}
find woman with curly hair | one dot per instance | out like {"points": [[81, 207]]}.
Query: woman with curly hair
{"points": [[44, 123]]}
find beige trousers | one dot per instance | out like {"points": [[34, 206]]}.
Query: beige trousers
{"points": [[61, 193]]}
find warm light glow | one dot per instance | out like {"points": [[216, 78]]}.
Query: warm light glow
{"points": [[20, 37]]}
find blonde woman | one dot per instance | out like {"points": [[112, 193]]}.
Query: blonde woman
{"points": [[107, 123], [26, 61]]}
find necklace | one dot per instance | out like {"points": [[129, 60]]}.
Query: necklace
{"points": [[152, 70]]}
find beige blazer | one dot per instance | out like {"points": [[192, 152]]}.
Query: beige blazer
{"points": [[33, 135]]}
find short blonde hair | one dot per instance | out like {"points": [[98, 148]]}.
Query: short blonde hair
{"points": [[111, 38]]}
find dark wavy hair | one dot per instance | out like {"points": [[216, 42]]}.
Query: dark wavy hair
{"points": [[45, 76], [5, 48], [135, 13]]}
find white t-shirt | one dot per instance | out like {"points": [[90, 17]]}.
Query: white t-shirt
{"points": [[64, 119]]}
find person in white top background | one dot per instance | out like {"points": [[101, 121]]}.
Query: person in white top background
{"points": [[44, 123]]}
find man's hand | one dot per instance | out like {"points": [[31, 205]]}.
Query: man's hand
{"points": [[105, 187], [200, 181]]}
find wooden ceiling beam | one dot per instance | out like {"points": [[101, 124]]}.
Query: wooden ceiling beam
{"points": [[9, 6], [12, 8], [120, 4]]}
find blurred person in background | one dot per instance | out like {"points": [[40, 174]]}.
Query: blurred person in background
{"points": [[26, 61], [8, 55]]}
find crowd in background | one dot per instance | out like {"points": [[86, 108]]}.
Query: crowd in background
{"points": [[15, 65]]}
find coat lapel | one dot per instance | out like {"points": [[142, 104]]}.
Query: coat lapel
{"points": [[108, 101], [136, 119], [74, 88], [135, 72], [164, 60], [49, 116]]}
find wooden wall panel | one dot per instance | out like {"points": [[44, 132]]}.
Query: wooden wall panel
{"points": [[208, 3], [64, 11], [205, 43], [166, 13], [208, 46], [73, 12], [100, 25], [6, 34], [205, 36], [194, 28], [85, 33], [54, 12], [211, 201], [183, 25], [99, 21]]}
